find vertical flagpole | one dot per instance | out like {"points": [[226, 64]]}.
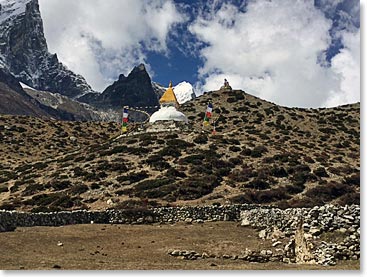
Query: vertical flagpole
{"points": [[125, 119], [208, 114]]}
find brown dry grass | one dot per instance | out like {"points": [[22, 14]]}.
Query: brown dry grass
{"points": [[137, 247]]}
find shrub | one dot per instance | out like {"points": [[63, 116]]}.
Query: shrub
{"points": [[170, 151], [39, 165], [133, 177], [353, 179], [32, 189], [259, 184], [78, 189], [308, 159], [195, 187], [260, 197], [179, 143], [235, 161], [242, 175], [246, 152], [3, 188], [349, 199], [328, 191], [294, 189], [79, 172], [173, 173], [151, 184], [157, 162], [95, 186], [42, 199], [193, 159], [300, 178], [305, 202], [320, 172], [258, 151], [137, 150], [201, 139], [64, 201], [279, 172], [171, 136], [234, 148]]}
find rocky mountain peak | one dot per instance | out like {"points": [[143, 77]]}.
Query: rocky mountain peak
{"points": [[24, 52], [135, 90], [140, 67]]}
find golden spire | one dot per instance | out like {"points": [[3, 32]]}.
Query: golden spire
{"points": [[169, 96]]}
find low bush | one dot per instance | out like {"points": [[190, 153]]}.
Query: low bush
{"points": [[3, 188], [349, 199], [133, 177], [179, 143], [242, 175], [329, 191], [151, 184], [259, 184], [234, 148], [201, 139], [78, 189], [258, 151], [353, 179], [195, 187], [279, 172], [320, 172], [196, 159], [157, 162], [173, 173], [170, 151]]}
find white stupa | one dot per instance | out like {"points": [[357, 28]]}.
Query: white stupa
{"points": [[168, 110]]}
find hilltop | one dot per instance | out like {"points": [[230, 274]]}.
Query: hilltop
{"points": [[261, 153]]}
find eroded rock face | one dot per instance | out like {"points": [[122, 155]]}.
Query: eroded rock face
{"points": [[24, 52]]}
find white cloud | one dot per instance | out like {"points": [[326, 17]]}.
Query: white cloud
{"points": [[273, 50], [346, 66], [101, 39]]}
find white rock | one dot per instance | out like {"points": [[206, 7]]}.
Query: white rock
{"points": [[262, 234], [275, 244]]}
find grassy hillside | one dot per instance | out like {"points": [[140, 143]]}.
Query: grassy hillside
{"points": [[261, 153]]}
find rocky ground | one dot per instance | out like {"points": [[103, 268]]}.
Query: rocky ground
{"points": [[261, 153], [217, 246]]}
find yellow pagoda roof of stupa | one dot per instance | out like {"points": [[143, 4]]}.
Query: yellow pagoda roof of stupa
{"points": [[169, 96]]}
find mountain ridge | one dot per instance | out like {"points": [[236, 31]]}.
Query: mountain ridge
{"points": [[24, 51]]}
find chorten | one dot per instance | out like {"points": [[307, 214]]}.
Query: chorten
{"points": [[226, 86], [168, 110]]}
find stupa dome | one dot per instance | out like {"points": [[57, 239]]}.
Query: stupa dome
{"points": [[168, 114]]}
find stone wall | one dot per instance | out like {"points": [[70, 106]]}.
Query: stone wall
{"points": [[11, 219], [299, 228]]}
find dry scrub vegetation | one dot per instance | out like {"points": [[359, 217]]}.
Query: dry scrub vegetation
{"points": [[261, 153]]}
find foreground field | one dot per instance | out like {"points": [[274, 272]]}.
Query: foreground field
{"points": [[136, 247]]}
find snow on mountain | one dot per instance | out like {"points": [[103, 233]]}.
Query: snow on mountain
{"points": [[26, 86], [24, 52], [184, 92], [12, 8]]}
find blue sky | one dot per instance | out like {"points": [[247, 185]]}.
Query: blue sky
{"points": [[291, 52]]}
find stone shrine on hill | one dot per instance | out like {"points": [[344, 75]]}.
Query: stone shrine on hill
{"points": [[168, 110]]}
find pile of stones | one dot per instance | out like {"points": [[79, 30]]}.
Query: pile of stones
{"points": [[315, 221]]}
